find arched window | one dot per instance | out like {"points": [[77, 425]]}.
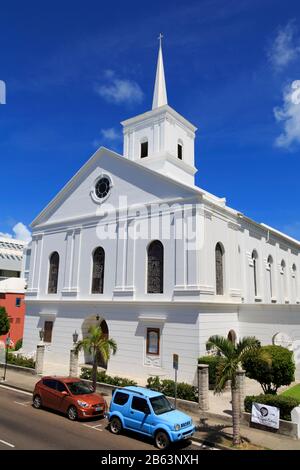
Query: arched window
{"points": [[144, 148], [98, 271], [295, 281], [232, 336], [53, 273], [254, 261], [270, 269], [155, 281], [179, 149], [219, 253], [283, 280]]}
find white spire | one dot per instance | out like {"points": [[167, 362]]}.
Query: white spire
{"points": [[160, 91]]}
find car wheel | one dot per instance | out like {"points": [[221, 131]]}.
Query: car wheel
{"points": [[162, 440], [115, 425], [37, 402], [72, 413]]}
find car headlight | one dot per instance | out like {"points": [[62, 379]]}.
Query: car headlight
{"points": [[177, 427], [83, 404]]}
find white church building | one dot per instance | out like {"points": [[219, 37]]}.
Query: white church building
{"points": [[132, 244]]}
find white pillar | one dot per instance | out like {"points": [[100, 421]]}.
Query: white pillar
{"points": [[203, 387], [73, 371], [39, 361]]}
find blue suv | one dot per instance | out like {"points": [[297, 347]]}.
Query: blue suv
{"points": [[150, 413]]}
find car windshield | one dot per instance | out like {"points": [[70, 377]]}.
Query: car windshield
{"points": [[161, 404], [79, 388]]}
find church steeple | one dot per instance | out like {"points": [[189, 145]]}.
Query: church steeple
{"points": [[160, 91], [161, 139]]}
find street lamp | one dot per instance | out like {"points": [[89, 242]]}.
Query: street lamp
{"points": [[97, 317], [75, 337], [41, 333]]}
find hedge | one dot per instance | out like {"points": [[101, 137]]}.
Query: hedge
{"points": [[167, 387], [86, 373], [272, 366], [19, 360], [285, 404], [213, 362]]}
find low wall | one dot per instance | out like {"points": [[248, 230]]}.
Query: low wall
{"points": [[184, 405], [286, 428], [26, 370]]}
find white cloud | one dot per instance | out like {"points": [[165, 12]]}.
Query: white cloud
{"points": [[118, 90], [108, 135], [5, 235], [21, 232], [289, 117], [286, 47]]}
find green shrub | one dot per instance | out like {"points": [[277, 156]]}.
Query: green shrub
{"points": [[272, 366], [285, 404], [4, 322], [166, 386], [18, 360], [19, 344], [213, 363], [86, 373]]}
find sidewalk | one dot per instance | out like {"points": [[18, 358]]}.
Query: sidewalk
{"points": [[20, 380], [212, 430]]}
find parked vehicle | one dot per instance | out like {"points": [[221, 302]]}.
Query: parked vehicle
{"points": [[70, 396], [150, 413]]}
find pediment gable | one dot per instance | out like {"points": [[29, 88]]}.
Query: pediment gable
{"points": [[129, 180]]}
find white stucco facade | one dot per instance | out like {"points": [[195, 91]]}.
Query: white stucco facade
{"points": [[153, 197]]}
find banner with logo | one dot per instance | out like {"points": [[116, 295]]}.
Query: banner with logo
{"points": [[265, 414]]}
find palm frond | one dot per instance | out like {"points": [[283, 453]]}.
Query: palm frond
{"points": [[222, 344], [97, 343], [246, 344]]}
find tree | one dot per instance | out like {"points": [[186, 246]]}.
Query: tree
{"points": [[97, 344], [4, 322], [272, 366], [233, 355]]}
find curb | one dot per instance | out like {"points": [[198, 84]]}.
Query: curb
{"points": [[210, 444]]}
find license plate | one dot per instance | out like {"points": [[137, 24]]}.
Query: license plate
{"points": [[98, 408]]}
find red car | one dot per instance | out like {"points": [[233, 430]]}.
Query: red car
{"points": [[70, 396]]}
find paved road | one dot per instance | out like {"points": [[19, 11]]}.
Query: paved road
{"points": [[23, 427]]}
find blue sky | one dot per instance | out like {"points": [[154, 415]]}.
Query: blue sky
{"points": [[74, 70]]}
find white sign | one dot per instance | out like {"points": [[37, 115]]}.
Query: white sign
{"points": [[266, 415]]}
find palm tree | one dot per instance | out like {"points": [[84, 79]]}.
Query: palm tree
{"points": [[233, 355], [97, 344]]}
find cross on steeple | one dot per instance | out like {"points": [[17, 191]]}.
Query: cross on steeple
{"points": [[160, 38]]}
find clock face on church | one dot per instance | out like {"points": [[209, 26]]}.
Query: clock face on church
{"points": [[102, 187]]}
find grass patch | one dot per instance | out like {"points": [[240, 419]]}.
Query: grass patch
{"points": [[293, 392]]}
